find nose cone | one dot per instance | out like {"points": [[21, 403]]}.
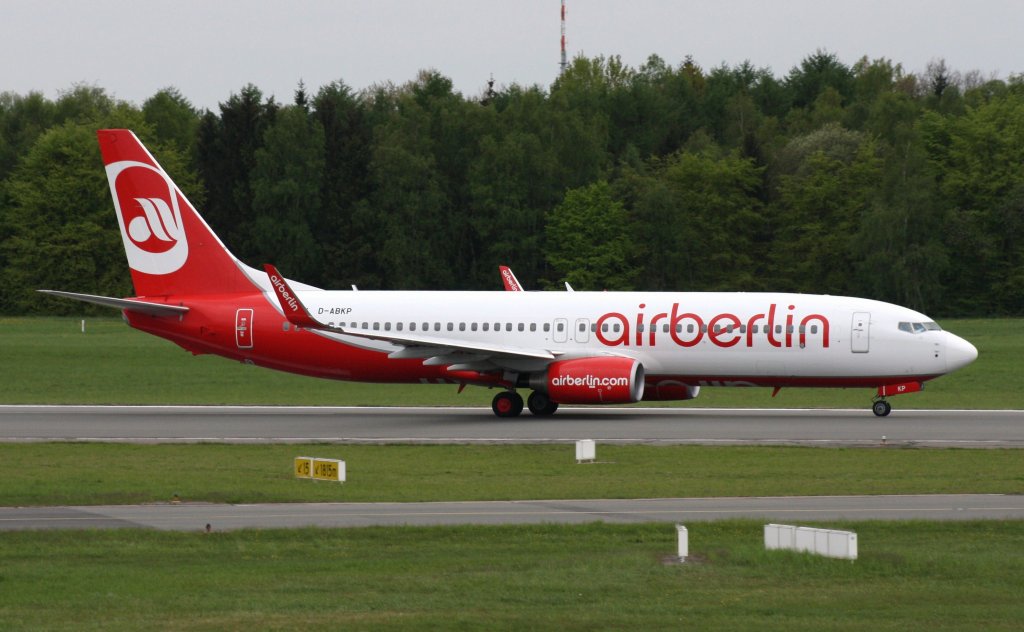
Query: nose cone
{"points": [[959, 352]]}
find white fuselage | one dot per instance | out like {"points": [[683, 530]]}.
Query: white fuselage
{"points": [[713, 338]]}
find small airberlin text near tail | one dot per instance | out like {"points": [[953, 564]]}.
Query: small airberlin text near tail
{"points": [[290, 305]]}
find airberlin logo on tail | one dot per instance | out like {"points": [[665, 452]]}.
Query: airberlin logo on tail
{"points": [[149, 215]]}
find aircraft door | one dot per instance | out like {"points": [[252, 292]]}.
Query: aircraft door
{"points": [[561, 330], [243, 328], [860, 332], [582, 330]]}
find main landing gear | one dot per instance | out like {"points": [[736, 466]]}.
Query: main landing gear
{"points": [[510, 404], [881, 408]]}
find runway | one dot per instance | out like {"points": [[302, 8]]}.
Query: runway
{"points": [[234, 424], [195, 517]]}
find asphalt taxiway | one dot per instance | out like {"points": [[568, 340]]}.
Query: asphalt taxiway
{"points": [[244, 424], [195, 516]]}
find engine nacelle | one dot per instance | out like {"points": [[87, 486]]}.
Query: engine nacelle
{"points": [[670, 390], [601, 380]]}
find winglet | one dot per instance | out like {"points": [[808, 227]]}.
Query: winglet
{"points": [[292, 307], [511, 282]]}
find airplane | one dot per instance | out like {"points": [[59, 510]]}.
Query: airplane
{"points": [[562, 347]]}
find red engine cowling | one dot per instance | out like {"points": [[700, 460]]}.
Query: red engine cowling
{"points": [[606, 380], [670, 390]]}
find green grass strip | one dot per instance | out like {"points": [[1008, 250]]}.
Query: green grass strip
{"points": [[910, 576], [87, 474]]}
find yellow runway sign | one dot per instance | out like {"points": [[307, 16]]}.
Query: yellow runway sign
{"points": [[320, 469]]}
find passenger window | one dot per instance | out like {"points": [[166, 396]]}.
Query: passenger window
{"points": [[487, 326], [451, 326], [664, 329], [472, 327], [366, 325], [437, 326], [583, 327], [462, 326], [615, 328], [604, 327], [593, 328], [533, 326], [547, 326], [412, 326], [561, 327], [387, 326], [639, 328], [398, 326], [521, 327], [814, 329], [508, 326], [376, 326]]}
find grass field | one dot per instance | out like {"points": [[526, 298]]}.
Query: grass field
{"points": [[913, 575], [85, 474], [909, 576], [49, 360]]}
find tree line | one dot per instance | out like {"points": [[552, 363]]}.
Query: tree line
{"points": [[864, 180]]}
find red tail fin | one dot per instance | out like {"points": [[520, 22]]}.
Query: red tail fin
{"points": [[170, 249]]}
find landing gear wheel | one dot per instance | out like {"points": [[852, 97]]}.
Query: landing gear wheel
{"points": [[507, 404], [540, 404], [881, 408]]}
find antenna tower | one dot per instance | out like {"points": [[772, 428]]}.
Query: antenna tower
{"points": [[564, 63]]}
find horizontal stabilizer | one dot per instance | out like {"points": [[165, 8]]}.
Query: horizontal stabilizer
{"points": [[132, 305]]}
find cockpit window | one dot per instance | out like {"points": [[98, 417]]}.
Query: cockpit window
{"points": [[919, 328]]}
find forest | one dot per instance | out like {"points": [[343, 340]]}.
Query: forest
{"points": [[861, 180]]}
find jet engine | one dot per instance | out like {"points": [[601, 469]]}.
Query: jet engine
{"points": [[598, 380]]}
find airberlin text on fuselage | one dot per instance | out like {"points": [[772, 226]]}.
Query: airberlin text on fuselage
{"points": [[687, 329]]}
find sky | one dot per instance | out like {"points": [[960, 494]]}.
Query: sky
{"points": [[209, 49]]}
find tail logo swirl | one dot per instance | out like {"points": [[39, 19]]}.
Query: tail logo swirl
{"points": [[149, 215]]}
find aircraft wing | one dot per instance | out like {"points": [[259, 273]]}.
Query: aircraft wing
{"points": [[457, 354], [130, 304]]}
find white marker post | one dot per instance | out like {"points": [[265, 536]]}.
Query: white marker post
{"points": [[586, 451], [683, 542]]}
